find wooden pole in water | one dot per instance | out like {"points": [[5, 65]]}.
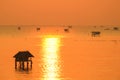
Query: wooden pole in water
{"points": [[15, 64], [23, 65], [31, 64], [27, 64], [20, 64]]}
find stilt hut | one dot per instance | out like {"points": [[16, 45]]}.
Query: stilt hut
{"points": [[23, 60], [95, 33], [38, 29], [115, 28], [69, 26], [66, 30], [19, 28]]}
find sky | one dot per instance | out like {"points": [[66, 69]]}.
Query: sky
{"points": [[60, 12]]}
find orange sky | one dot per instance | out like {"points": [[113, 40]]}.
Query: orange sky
{"points": [[56, 12]]}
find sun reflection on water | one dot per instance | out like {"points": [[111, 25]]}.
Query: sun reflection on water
{"points": [[51, 58]]}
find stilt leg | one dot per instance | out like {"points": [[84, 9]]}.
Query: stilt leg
{"points": [[31, 65], [23, 65], [27, 65], [15, 64], [20, 65]]}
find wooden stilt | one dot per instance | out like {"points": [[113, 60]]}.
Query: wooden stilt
{"points": [[27, 64], [31, 65], [23, 65], [20, 64], [15, 64]]}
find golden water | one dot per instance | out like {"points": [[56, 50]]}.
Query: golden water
{"points": [[59, 55]]}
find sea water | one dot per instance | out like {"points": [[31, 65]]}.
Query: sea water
{"points": [[60, 55]]}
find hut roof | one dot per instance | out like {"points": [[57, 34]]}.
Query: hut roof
{"points": [[23, 54]]}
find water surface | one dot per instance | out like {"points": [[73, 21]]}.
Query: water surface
{"points": [[59, 55]]}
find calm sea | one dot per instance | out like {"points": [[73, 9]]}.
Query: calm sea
{"points": [[60, 55]]}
